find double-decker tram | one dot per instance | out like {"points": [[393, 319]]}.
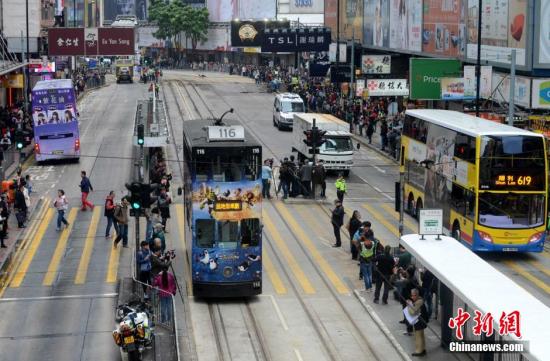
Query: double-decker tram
{"points": [[223, 201], [489, 178]]}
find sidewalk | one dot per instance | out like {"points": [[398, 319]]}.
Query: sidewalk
{"points": [[376, 144]]}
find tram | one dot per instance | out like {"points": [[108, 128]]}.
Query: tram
{"points": [[223, 206]]}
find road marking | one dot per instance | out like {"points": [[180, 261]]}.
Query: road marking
{"points": [[33, 248], [82, 270], [317, 227], [49, 278], [112, 269], [298, 355], [319, 260], [375, 188], [272, 273], [409, 224], [539, 283], [278, 312], [379, 169], [180, 213], [538, 265], [65, 297], [292, 263], [381, 219]]}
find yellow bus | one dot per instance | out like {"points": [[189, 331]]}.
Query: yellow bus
{"points": [[489, 178]]}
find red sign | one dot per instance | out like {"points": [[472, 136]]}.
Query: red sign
{"points": [[66, 41], [91, 42]]}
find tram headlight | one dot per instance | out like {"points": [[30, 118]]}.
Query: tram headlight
{"points": [[484, 236], [536, 237]]}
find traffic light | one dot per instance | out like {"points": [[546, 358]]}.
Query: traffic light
{"points": [[19, 139], [319, 137], [140, 134], [309, 138], [135, 195]]}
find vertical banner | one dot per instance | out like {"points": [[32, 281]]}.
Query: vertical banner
{"points": [[469, 81], [359, 87], [485, 85]]}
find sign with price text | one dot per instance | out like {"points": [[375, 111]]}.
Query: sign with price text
{"points": [[225, 133]]}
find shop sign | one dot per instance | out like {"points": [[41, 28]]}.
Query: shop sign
{"points": [[376, 64], [426, 74], [387, 87], [14, 81], [296, 40], [359, 87]]}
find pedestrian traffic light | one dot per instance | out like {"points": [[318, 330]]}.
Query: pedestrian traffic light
{"points": [[19, 139], [309, 138], [135, 195], [140, 134]]}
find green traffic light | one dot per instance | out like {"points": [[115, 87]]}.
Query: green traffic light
{"points": [[19, 145], [135, 205], [140, 141]]}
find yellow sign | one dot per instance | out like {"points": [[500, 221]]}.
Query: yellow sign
{"points": [[228, 206], [251, 50], [14, 81], [512, 180]]}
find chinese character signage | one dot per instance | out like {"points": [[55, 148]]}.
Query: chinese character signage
{"points": [[508, 323], [91, 42], [296, 40], [376, 64], [387, 87], [223, 205]]}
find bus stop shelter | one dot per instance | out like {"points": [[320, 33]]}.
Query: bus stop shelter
{"points": [[467, 281]]}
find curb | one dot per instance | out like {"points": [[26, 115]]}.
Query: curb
{"points": [[372, 147], [382, 326]]}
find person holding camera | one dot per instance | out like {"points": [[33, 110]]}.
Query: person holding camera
{"points": [[159, 261]]}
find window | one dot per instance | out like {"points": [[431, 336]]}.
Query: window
{"points": [[296, 107], [204, 233], [415, 128], [228, 234], [511, 211], [251, 232], [337, 144], [465, 147], [228, 164], [462, 200]]}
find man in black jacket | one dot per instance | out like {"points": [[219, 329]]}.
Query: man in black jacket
{"points": [[384, 265], [337, 220], [20, 207]]}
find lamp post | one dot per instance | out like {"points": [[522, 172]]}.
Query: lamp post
{"points": [[26, 68], [478, 62]]}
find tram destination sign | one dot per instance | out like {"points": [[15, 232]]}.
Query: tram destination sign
{"points": [[225, 133], [430, 222]]}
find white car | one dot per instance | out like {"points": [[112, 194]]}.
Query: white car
{"points": [[284, 107]]}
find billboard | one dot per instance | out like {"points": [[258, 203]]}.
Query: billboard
{"points": [[444, 30], [376, 23], [540, 94], [376, 64], [504, 24], [331, 8], [306, 6], [107, 41], [254, 9], [542, 35], [112, 8], [302, 40], [426, 74], [352, 16], [501, 89], [454, 89], [222, 10], [247, 33], [484, 84], [406, 25]]}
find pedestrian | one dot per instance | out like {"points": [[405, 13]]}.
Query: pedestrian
{"points": [[20, 206], [340, 185], [306, 171], [158, 232], [121, 217], [4, 215], [366, 257], [404, 286], [284, 178], [158, 260], [61, 204], [370, 130], [164, 201], [353, 226], [267, 174], [28, 183], [85, 188], [110, 214], [429, 283], [385, 265], [319, 177], [166, 284], [144, 264], [295, 182], [404, 258], [384, 134], [337, 221], [417, 309]]}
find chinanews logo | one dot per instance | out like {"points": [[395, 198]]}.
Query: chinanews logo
{"points": [[544, 93]]}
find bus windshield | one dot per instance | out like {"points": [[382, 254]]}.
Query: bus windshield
{"points": [[228, 165], [511, 210], [337, 145], [512, 162]]}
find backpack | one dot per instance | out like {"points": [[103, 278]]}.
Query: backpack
{"points": [[118, 212], [424, 313]]}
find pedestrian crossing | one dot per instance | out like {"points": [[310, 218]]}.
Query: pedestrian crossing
{"points": [[297, 253]]}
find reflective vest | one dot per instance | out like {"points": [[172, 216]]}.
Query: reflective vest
{"points": [[340, 185], [367, 254]]}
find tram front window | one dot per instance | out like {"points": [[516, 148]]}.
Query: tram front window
{"points": [[228, 234], [227, 165]]}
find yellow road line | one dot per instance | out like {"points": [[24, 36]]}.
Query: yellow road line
{"points": [[11, 272], [180, 216], [33, 248], [292, 263], [393, 229], [537, 282], [410, 225], [49, 278], [538, 265], [272, 273], [112, 269], [320, 261], [82, 270]]}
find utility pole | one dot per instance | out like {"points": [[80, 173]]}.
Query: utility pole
{"points": [[26, 68], [352, 75], [478, 62], [511, 101], [337, 35], [314, 141]]}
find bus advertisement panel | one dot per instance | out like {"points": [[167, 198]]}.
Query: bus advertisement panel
{"points": [[54, 114]]}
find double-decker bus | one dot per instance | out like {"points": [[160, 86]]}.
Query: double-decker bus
{"points": [[223, 206], [489, 178], [54, 113]]}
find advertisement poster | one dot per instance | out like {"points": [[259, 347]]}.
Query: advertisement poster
{"points": [[501, 89], [331, 11], [247, 33], [253, 9], [453, 89], [332, 53], [485, 85], [112, 8], [376, 64], [544, 34], [541, 94], [504, 25], [405, 24], [426, 74], [443, 29], [469, 81], [353, 18], [376, 24], [222, 10]]}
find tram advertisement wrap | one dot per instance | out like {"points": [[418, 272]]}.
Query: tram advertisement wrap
{"points": [[227, 231]]}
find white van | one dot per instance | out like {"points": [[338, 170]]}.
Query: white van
{"points": [[284, 107]]}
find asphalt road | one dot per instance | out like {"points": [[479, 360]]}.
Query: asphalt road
{"points": [[60, 304]]}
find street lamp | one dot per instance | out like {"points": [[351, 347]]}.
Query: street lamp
{"points": [[478, 62], [219, 121]]}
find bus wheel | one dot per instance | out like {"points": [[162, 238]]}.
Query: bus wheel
{"points": [[410, 204], [418, 208], [456, 231]]}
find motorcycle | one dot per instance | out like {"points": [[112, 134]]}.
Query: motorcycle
{"points": [[134, 332]]}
